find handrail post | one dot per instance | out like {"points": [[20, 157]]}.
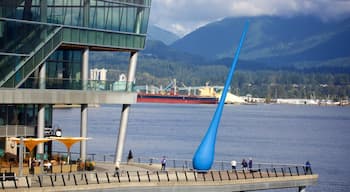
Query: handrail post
{"points": [[97, 180], [118, 177], [274, 169], [52, 183], [28, 185], [297, 170], [127, 173], [86, 180], [167, 176], [228, 175], [64, 182], [203, 177], [212, 175], [260, 173], [220, 176], [108, 177], [75, 179], [39, 179], [149, 178], [138, 176], [14, 182], [158, 176]]}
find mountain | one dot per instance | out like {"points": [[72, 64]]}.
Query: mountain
{"points": [[157, 33], [281, 58], [159, 50], [271, 40]]}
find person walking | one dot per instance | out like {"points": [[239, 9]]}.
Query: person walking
{"points": [[233, 165], [163, 162]]}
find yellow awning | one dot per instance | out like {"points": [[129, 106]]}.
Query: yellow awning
{"points": [[30, 143], [68, 141]]}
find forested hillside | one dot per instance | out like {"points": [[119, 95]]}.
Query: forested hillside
{"points": [[300, 57]]}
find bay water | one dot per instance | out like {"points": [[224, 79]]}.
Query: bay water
{"points": [[287, 134]]}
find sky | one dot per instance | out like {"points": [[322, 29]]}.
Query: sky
{"points": [[184, 16]]}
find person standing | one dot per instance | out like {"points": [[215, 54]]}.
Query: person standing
{"points": [[244, 164], [250, 164], [233, 165], [163, 162], [308, 167]]}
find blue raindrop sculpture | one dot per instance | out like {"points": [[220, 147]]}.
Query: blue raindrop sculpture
{"points": [[204, 156]]}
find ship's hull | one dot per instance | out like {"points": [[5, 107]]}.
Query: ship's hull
{"points": [[185, 99]]}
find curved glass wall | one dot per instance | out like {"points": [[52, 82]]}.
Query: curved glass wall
{"points": [[117, 15], [30, 30]]}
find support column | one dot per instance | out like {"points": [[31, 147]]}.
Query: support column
{"points": [[125, 111], [83, 130], [302, 189], [41, 112], [84, 107]]}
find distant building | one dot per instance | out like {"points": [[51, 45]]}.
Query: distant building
{"points": [[98, 74]]}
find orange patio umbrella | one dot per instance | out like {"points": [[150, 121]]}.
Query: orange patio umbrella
{"points": [[30, 144], [68, 142]]}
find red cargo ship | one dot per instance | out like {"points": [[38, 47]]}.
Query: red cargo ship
{"points": [[184, 99], [174, 94]]}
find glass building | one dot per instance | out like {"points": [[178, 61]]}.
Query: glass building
{"points": [[44, 51]]}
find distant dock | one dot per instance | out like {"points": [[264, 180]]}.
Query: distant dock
{"points": [[141, 176]]}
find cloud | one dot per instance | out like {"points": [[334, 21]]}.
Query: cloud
{"points": [[183, 16]]}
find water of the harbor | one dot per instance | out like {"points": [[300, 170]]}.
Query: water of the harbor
{"points": [[289, 134]]}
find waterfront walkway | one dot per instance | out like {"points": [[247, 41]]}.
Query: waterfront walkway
{"points": [[145, 176]]}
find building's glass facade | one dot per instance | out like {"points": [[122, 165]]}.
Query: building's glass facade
{"points": [[107, 15], [32, 30], [56, 32], [63, 71]]}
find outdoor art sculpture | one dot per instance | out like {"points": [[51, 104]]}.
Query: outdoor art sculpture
{"points": [[204, 157]]}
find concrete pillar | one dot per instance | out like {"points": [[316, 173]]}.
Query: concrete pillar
{"points": [[84, 107], [125, 111], [40, 128], [85, 69], [41, 112], [42, 80], [83, 130], [302, 189]]}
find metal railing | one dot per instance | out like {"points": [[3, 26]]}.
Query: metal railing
{"points": [[86, 178], [186, 164], [77, 84]]}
